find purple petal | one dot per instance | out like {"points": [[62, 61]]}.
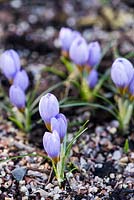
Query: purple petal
{"points": [[9, 63], [48, 107], [131, 86], [79, 51], [92, 78], [17, 96], [94, 52], [59, 123], [66, 37], [122, 72], [21, 79], [51, 143]]}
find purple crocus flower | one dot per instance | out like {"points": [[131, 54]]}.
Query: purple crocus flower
{"points": [[51, 143], [79, 51], [48, 108], [66, 37], [17, 96], [10, 63], [131, 88], [94, 54], [92, 78], [59, 123], [21, 79], [122, 72]]}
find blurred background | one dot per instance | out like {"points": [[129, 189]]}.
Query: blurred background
{"points": [[31, 26]]}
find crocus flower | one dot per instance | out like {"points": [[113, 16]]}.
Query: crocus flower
{"points": [[122, 72], [94, 54], [17, 96], [10, 63], [79, 51], [21, 79], [59, 123], [48, 108], [51, 143], [131, 89], [92, 78], [66, 37]]}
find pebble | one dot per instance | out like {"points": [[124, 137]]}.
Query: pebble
{"points": [[43, 176], [130, 168], [112, 176], [56, 196], [48, 186], [24, 189], [116, 155], [124, 159], [25, 198]]}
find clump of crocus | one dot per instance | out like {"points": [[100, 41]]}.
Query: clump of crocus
{"points": [[55, 122], [10, 64], [21, 79], [17, 97], [122, 74], [66, 37], [94, 54], [11, 68], [54, 142], [78, 51], [84, 58], [92, 78]]}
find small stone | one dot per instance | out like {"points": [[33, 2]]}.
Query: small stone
{"points": [[25, 198], [124, 159], [24, 189], [94, 189], [113, 130], [22, 182], [3, 173], [116, 155], [42, 193], [47, 187], [19, 173], [130, 168], [112, 176], [56, 196]]}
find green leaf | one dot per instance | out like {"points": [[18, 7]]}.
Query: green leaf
{"points": [[55, 71], [18, 123], [77, 135], [94, 105], [23, 155], [68, 64], [126, 146]]}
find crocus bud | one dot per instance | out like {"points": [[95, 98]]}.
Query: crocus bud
{"points": [[51, 143], [59, 123], [10, 63], [66, 37], [79, 51], [94, 54], [131, 89], [122, 72], [92, 78], [17, 96], [21, 79], [48, 108]]}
